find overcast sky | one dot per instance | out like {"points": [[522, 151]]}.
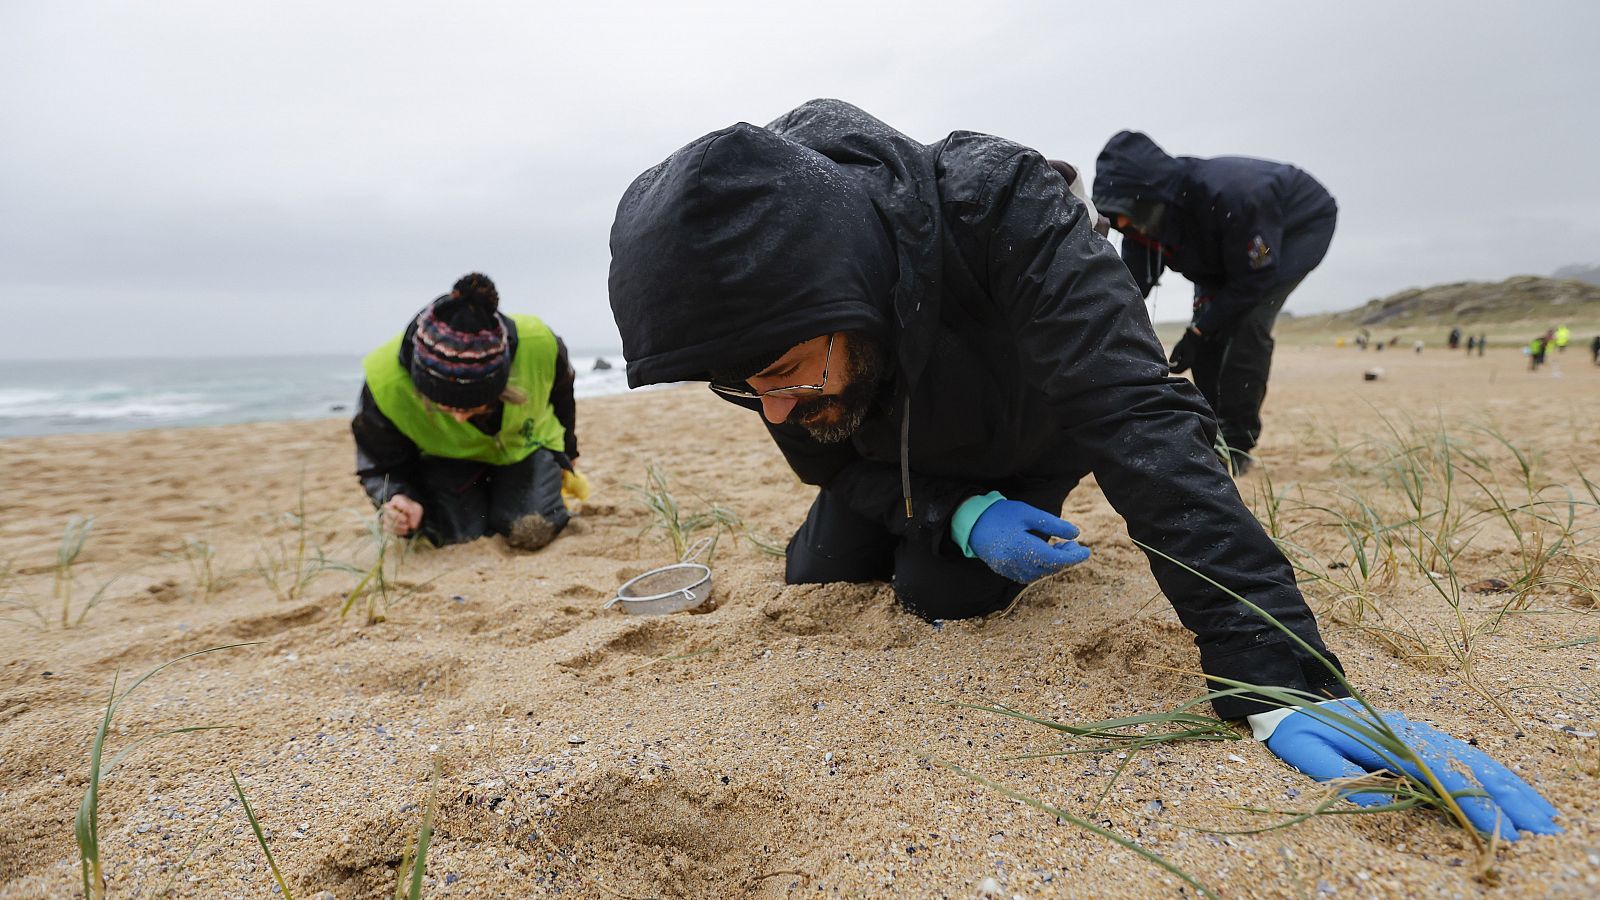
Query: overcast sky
{"points": [[204, 178]]}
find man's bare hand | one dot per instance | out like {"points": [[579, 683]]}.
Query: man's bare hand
{"points": [[401, 515]]}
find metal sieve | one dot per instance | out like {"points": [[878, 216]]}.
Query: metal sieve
{"points": [[668, 589]]}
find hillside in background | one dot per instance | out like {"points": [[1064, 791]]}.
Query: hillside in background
{"points": [[1590, 274], [1505, 309]]}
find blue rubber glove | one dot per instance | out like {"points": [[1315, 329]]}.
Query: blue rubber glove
{"points": [[1325, 751], [1013, 538]]}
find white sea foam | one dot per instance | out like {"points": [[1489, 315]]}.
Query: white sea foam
{"points": [[24, 397], [176, 412]]}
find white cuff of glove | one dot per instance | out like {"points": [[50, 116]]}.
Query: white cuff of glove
{"points": [[1262, 725]]}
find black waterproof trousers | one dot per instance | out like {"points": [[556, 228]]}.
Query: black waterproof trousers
{"points": [[836, 543], [1231, 369], [463, 500]]}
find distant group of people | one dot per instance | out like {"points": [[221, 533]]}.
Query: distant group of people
{"points": [[1475, 342], [1363, 340], [1558, 337], [1537, 350], [941, 342]]}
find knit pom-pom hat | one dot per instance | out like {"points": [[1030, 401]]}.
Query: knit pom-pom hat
{"points": [[459, 356]]}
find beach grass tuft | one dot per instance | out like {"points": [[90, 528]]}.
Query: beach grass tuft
{"points": [[261, 838], [1420, 500], [415, 863], [1425, 787], [73, 537], [86, 827], [1413, 504], [379, 588], [289, 564], [373, 588], [199, 556], [680, 525], [1409, 781]]}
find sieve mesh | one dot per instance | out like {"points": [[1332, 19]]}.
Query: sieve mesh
{"points": [[666, 581]]}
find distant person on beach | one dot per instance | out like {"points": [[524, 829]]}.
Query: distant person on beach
{"points": [[1483, 343], [1454, 340], [1594, 349], [1246, 232], [1472, 343], [1536, 351], [466, 423], [1562, 336], [940, 343]]}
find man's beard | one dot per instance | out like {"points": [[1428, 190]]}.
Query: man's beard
{"points": [[830, 420]]}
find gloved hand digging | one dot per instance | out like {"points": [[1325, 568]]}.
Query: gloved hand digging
{"points": [[1186, 351], [574, 486], [1013, 539], [1323, 749]]}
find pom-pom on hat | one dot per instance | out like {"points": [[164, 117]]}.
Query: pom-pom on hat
{"points": [[459, 356]]}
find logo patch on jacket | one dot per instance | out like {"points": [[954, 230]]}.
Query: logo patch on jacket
{"points": [[1260, 254]]}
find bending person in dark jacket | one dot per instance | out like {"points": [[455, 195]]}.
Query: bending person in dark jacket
{"points": [[466, 423], [1245, 232], [938, 340]]}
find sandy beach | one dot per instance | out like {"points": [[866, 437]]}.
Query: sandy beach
{"points": [[781, 744]]}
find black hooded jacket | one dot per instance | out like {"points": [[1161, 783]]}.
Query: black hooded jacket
{"points": [[1224, 226], [1024, 353]]}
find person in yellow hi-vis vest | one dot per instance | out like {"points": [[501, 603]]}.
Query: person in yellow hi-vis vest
{"points": [[466, 425]]}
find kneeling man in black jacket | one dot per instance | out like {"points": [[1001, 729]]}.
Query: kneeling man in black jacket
{"points": [[939, 342]]}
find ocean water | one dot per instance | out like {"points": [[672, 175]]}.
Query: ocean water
{"points": [[77, 396]]}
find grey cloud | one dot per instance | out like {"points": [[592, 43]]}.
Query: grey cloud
{"points": [[280, 177]]}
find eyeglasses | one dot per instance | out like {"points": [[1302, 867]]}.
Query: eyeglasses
{"points": [[793, 390]]}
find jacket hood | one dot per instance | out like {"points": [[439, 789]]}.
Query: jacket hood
{"points": [[751, 240], [741, 244], [1133, 167]]}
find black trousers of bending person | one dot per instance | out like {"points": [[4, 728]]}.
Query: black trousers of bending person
{"points": [[463, 500], [1231, 369], [836, 543]]}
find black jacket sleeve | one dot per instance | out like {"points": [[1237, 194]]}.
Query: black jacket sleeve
{"points": [[561, 398], [386, 460], [1085, 340]]}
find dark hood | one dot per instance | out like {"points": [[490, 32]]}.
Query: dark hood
{"points": [[751, 240], [1133, 167]]}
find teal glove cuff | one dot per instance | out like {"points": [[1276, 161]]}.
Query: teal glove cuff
{"points": [[967, 516]]}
